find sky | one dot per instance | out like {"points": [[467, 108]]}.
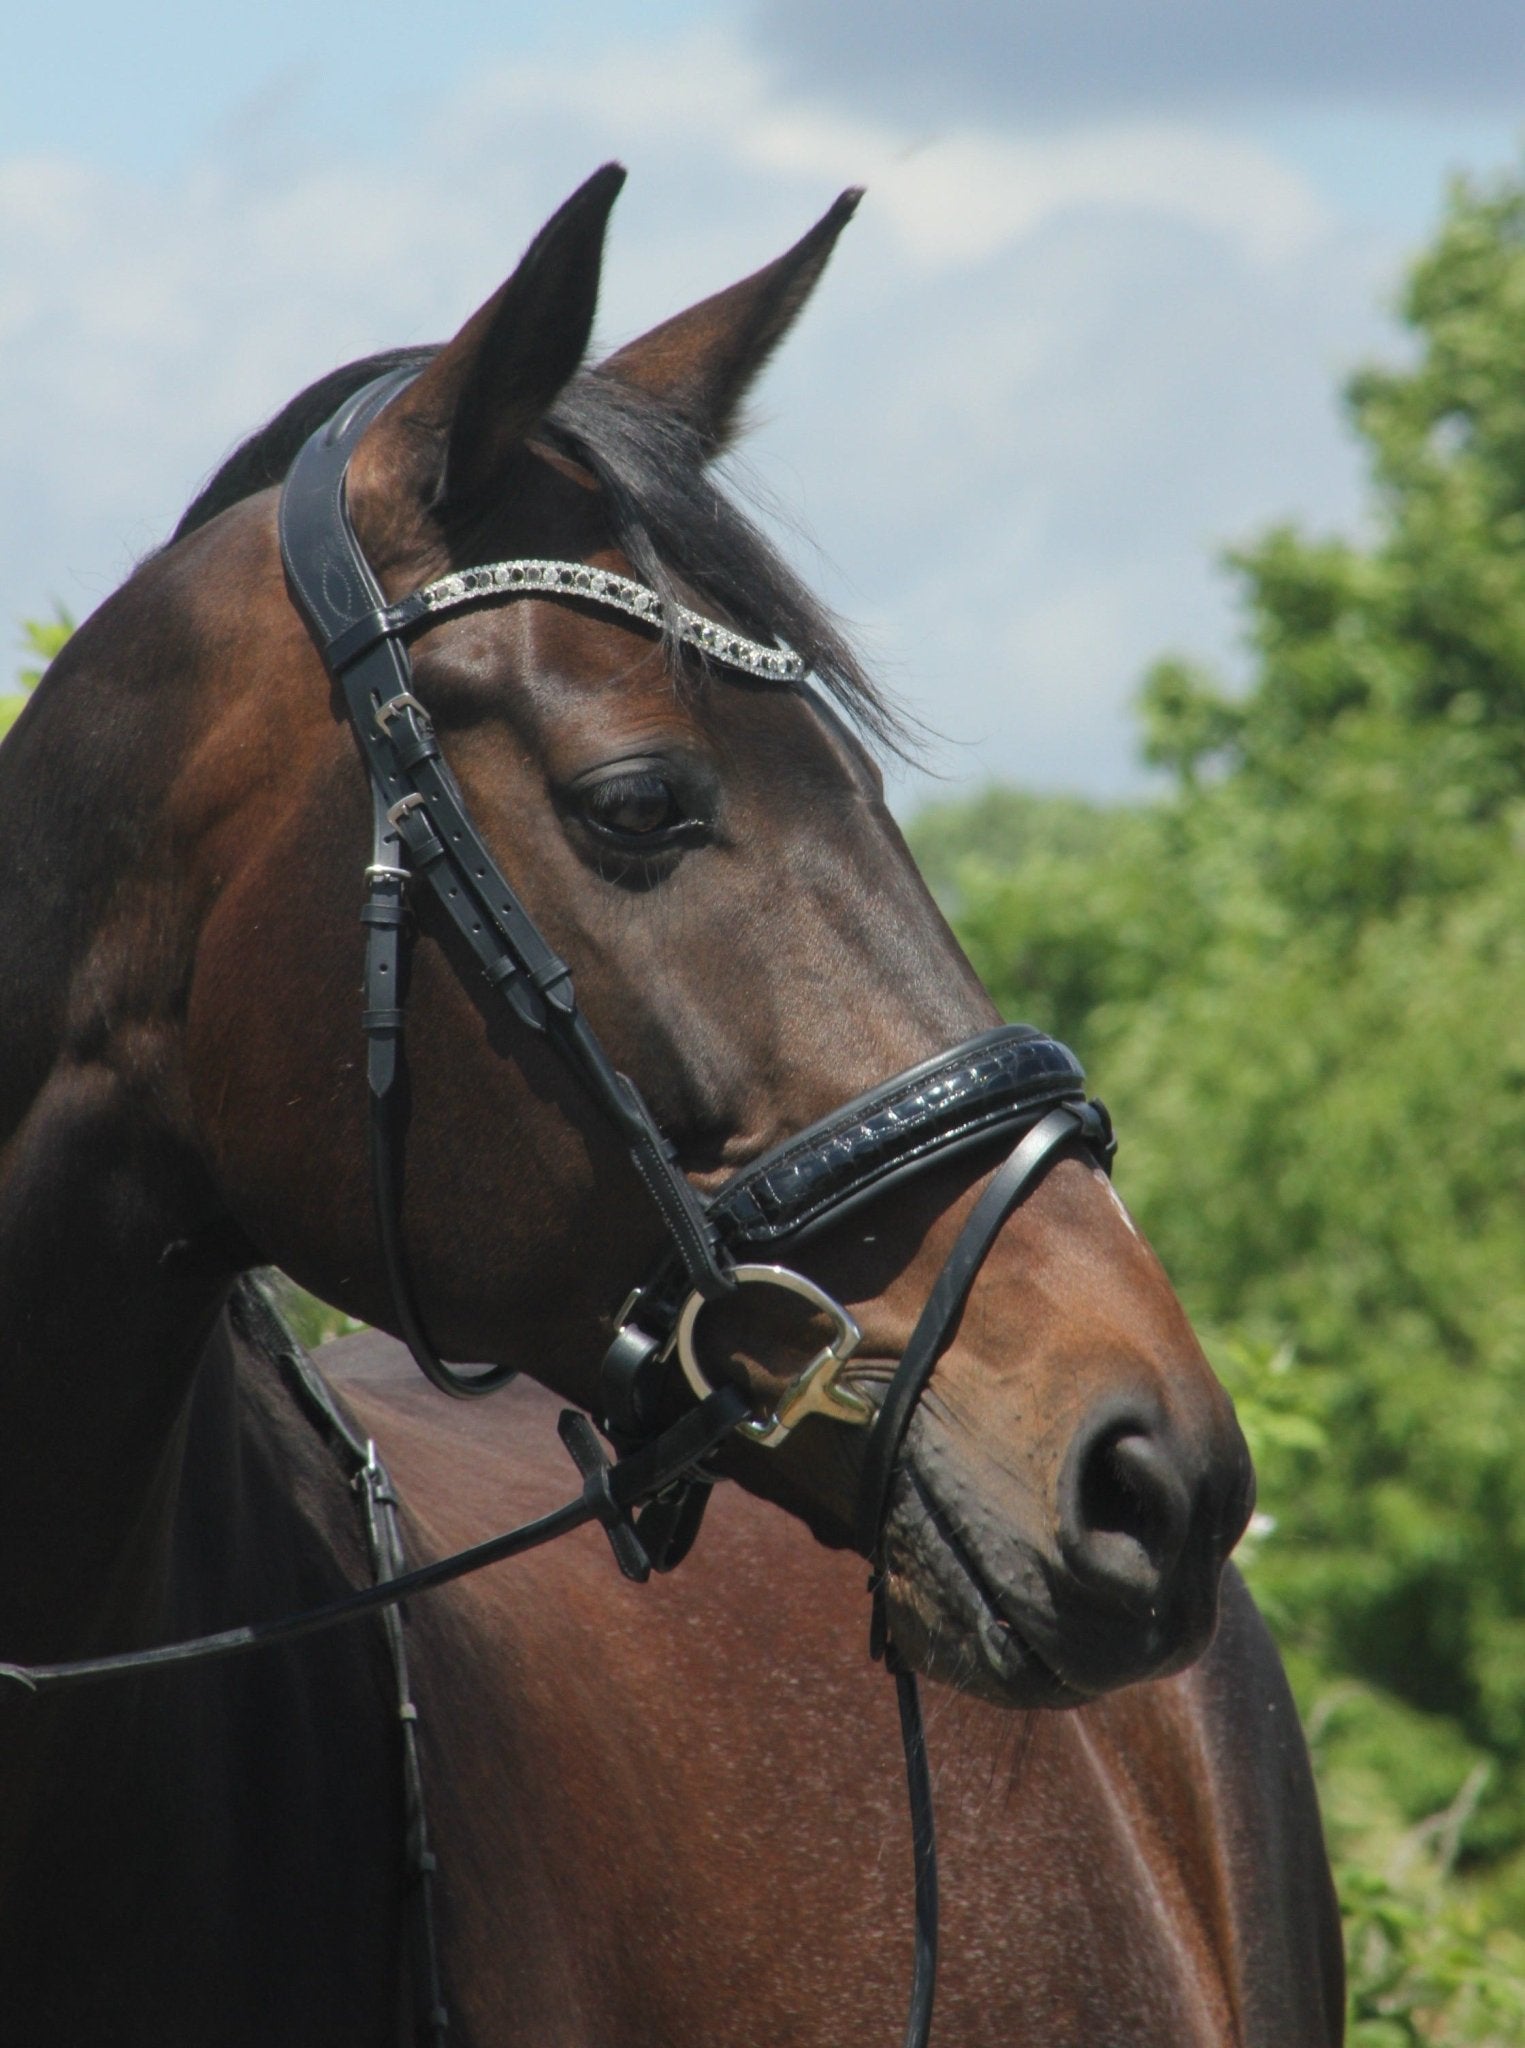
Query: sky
{"points": [[1087, 330]]}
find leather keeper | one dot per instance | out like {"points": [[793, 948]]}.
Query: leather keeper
{"points": [[355, 640], [411, 747], [424, 844], [621, 1382]]}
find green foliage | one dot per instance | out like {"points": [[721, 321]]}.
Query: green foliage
{"points": [[43, 638], [1426, 1967], [40, 638], [311, 1321], [1299, 980]]}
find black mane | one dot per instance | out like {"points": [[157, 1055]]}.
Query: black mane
{"points": [[669, 517]]}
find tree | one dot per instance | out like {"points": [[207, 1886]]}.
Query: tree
{"points": [[1299, 979], [41, 639]]}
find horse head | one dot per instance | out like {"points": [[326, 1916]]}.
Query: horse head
{"points": [[709, 850]]}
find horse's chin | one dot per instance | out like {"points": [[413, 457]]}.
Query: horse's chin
{"points": [[946, 1622], [982, 1655], [999, 1632]]}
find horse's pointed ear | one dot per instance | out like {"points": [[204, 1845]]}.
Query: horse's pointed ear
{"points": [[702, 363], [473, 405]]}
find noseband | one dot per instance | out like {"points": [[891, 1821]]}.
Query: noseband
{"points": [[657, 1404]]}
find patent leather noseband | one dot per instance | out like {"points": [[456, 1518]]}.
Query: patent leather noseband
{"points": [[1011, 1082]]}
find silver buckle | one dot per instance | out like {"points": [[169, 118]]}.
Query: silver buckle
{"points": [[814, 1391], [404, 700]]}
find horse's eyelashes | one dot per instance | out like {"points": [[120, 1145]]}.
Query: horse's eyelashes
{"points": [[640, 804]]}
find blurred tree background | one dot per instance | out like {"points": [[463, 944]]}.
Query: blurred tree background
{"points": [[1298, 977], [40, 641]]}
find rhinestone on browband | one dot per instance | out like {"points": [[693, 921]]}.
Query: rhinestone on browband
{"points": [[575, 579]]}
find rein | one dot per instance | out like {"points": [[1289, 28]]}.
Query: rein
{"points": [[657, 1404], [609, 1492]]}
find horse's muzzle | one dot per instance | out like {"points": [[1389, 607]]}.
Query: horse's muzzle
{"points": [[1047, 1596]]}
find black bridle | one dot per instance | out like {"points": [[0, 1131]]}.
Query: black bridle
{"points": [[1010, 1082], [656, 1405]]}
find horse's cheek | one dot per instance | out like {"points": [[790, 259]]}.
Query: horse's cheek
{"points": [[272, 1017]]}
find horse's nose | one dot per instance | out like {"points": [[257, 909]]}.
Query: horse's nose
{"points": [[1131, 1498]]}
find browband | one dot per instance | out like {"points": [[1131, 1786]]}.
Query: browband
{"points": [[535, 577]]}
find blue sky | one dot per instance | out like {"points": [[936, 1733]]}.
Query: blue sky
{"points": [[1087, 329], [145, 90]]}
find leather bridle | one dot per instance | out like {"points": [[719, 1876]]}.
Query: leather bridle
{"points": [[1011, 1082], [656, 1403]]}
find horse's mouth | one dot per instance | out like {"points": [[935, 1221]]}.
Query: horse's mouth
{"points": [[949, 1621]]}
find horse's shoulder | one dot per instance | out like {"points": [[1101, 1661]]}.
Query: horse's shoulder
{"points": [[1268, 1828], [484, 1462]]}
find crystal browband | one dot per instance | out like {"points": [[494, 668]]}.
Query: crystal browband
{"points": [[532, 577]]}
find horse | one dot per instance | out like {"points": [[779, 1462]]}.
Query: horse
{"points": [[633, 1814]]}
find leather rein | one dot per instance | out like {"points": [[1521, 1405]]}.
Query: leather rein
{"points": [[658, 1407]]}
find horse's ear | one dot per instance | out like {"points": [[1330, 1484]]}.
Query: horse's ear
{"points": [[702, 363], [467, 415]]}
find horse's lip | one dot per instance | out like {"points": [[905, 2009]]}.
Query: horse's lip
{"points": [[1010, 1651], [999, 1636], [1008, 1638]]}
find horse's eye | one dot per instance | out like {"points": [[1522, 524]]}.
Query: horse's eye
{"points": [[638, 805]]}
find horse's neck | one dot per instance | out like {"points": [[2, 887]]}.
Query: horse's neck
{"points": [[113, 1257], [104, 1309], [257, 1801], [217, 1503], [265, 1516]]}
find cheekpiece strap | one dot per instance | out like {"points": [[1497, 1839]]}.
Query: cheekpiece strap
{"points": [[339, 599]]}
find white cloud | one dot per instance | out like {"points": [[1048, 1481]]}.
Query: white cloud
{"points": [[962, 198], [1042, 378], [954, 198]]}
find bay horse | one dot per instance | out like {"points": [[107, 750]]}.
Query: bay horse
{"points": [[662, 1814]]}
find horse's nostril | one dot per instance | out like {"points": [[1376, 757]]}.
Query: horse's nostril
{"points": [[1124, 1511], [1122, 1490]]}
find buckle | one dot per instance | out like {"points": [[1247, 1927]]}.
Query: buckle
{"points": [[403, 701], [814, 1391]]}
